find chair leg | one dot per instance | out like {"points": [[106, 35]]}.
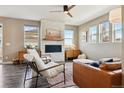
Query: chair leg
{"points": [[25, 75], [64, 75], [36, 81]]}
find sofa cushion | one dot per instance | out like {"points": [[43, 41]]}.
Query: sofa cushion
{"points": [[83, 61], [110, 60], [110, 66]]}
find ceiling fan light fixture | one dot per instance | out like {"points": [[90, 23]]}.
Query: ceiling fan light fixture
{"points": [[65, 9], [65, 12]]}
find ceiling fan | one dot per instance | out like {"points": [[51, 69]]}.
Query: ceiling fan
{"points": [[66, 10]]}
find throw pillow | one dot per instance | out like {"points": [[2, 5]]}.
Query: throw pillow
{"points": [[110, 60], [110, 66], [95, 64], [82, 56]]}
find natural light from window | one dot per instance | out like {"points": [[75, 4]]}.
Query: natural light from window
{"points": [[31, 36], [104, 32], [68, 37], [93, 34], [117, 32]]}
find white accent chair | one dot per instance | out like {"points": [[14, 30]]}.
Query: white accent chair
{"points": [[48, 71]]}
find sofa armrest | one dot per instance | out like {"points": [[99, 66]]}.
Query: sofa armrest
{"points": [[88, 76]]}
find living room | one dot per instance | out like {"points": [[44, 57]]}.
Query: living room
{"points": [[71, 39]]}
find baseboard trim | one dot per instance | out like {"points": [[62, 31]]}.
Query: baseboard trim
{"points": [[5, 63]]}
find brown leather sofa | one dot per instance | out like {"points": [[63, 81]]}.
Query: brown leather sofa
{"points": [[87, 76]]}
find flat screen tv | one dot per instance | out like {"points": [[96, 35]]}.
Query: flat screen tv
{"points": [[53, 48]]}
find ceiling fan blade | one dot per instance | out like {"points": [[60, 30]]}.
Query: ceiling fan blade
{"points": [[56, 11], [69, 14], [72, 6]]}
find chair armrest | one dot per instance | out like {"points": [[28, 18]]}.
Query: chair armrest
{"points": [[52, 67]]}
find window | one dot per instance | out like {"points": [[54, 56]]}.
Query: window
{"points": [[104, 32], [93, 34], [117, 32], [31, 34], [68, 37]]}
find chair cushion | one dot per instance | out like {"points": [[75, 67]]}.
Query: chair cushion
{"points": [[54, 71], [110, 66], [41, 65], [33, 52], [48, 73]]}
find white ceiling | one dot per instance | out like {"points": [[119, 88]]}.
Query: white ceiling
{"points": [[81, 13]]}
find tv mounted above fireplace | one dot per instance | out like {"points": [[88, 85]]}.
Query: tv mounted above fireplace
{"points": [[53, 48]]}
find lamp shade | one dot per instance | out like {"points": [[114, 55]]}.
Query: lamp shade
{"points": [[115, 16]]}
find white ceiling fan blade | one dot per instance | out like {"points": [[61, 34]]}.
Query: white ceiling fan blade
{"points": [[56, 11]]}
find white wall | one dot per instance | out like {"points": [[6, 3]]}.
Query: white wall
{"points": [[101, 50], [50, 24], [97, 51], [13, 34]]}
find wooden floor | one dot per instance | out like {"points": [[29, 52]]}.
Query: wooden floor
{"points": [[12, 76]]}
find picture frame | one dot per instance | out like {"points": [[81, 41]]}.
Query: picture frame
{"points": [[53, 34]]}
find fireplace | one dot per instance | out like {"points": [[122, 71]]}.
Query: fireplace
{"points": [[53, 48]]}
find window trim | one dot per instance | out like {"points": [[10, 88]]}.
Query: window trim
{"points": [[100, 41], [88, 36], [113, 34]]}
